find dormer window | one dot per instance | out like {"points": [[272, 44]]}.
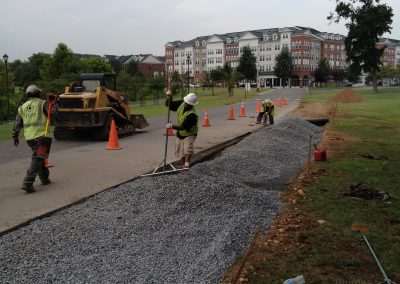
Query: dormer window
{"points": [[274, 36], [236, 39], [197, 43], [228, 40], [265, 37], [203, 43]]}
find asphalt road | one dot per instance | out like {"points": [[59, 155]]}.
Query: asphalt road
{"points": [[83, 168]]}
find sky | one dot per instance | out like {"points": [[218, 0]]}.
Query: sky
{"points": [[124, 27]]}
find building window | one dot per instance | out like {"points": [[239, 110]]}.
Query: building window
{"points": [[228, 40], [236, 39], [197, 43]]}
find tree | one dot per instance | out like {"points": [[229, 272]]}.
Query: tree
{"points": [[216, 75], [133, 67], [123, 82], [156, 85], [116, 65], [367, 20], [176, 83], [337, 74], [284, 65], [387, 71], [323, 70], [229, 78], [247, 65], [352, 73], [95, 65]]}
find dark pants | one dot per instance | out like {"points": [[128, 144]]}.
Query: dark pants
{"points": [[37, 167], [264, 119]]}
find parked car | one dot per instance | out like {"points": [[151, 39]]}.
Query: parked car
{"points": [[348, 84]]}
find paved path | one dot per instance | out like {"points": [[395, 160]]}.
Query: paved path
{"points": [[83, 168]]}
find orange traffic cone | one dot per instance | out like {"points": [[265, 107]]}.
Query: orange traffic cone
{"points": [[284, 101], [242, 112], [231, 115], [258, 109], [279, 103], [273, 101], [206, 121], [169, 132], [113, 139]]}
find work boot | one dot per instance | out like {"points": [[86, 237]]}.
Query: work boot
{"points": [[45, 182], [28, 188]]}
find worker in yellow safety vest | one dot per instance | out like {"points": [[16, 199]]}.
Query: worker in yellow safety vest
{"points": [[32, 116], [267, 112], [187, 126]]}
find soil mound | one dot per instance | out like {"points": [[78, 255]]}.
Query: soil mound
{"points": [[348, 96]]}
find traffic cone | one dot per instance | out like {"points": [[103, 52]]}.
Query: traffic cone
{"points": [[279, 103], [242, 112], [284, 101], [169, 132], [273, 101], [231, 115], [206, 121], [113, 139], [258, 109]]}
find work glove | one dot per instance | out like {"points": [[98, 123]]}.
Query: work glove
{"points": [[168, 125], [16, 141]]}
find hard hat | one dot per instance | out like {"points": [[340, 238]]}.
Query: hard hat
{"points": [[191, 99], [32, 89]]}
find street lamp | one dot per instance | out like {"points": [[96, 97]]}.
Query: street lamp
{"points": [[5, 58], [188, 75]]}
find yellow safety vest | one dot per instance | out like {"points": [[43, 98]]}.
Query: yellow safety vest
{"points": [[33, 118], [182, 116]]}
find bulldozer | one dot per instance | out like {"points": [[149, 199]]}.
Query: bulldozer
{"points": [[88, 107]]}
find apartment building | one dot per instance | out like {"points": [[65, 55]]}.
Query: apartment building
{"points": [[307, 45]]}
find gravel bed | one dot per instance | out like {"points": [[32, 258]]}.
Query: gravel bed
{"points": [[182, 228]]}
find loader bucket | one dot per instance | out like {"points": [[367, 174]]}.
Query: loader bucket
{"points": [[139, 121]]}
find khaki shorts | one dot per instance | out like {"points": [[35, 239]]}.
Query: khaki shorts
{"points": [[184, 146]]}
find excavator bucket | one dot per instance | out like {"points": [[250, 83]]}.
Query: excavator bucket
{"points": [[139, 121]]}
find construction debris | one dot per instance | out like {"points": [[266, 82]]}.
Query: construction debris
{"points": [[361, 190]]}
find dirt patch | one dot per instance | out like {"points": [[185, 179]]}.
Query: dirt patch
{"points": [[348, 96], [314, 110]]}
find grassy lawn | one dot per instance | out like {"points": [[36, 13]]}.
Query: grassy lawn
{"points": [[149, 109], [333, 251]]}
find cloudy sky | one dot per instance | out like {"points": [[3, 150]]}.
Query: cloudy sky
{"points": [[123, 27]]}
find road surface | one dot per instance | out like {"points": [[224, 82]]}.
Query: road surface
{"points": [[83, 168]]}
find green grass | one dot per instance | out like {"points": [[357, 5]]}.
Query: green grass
{"points": [[149, 109], [334, 251]]}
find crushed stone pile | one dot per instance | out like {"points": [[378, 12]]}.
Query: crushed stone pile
{"points": [[182, 228]]}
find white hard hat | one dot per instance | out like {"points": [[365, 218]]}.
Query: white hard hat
{"points": [[32, 89], [191, 99]]}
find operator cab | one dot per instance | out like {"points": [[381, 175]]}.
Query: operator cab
{"points": [[90, 81]]}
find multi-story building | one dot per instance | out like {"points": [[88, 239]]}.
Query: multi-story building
{"points": [[150, 66], [306, 45]]}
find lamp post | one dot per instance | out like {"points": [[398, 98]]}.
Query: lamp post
{"points": [[188, 75], [5, 58]]}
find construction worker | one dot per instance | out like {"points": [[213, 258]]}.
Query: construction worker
{"points": [[187, 126], [267, 112], [32, 116]]}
